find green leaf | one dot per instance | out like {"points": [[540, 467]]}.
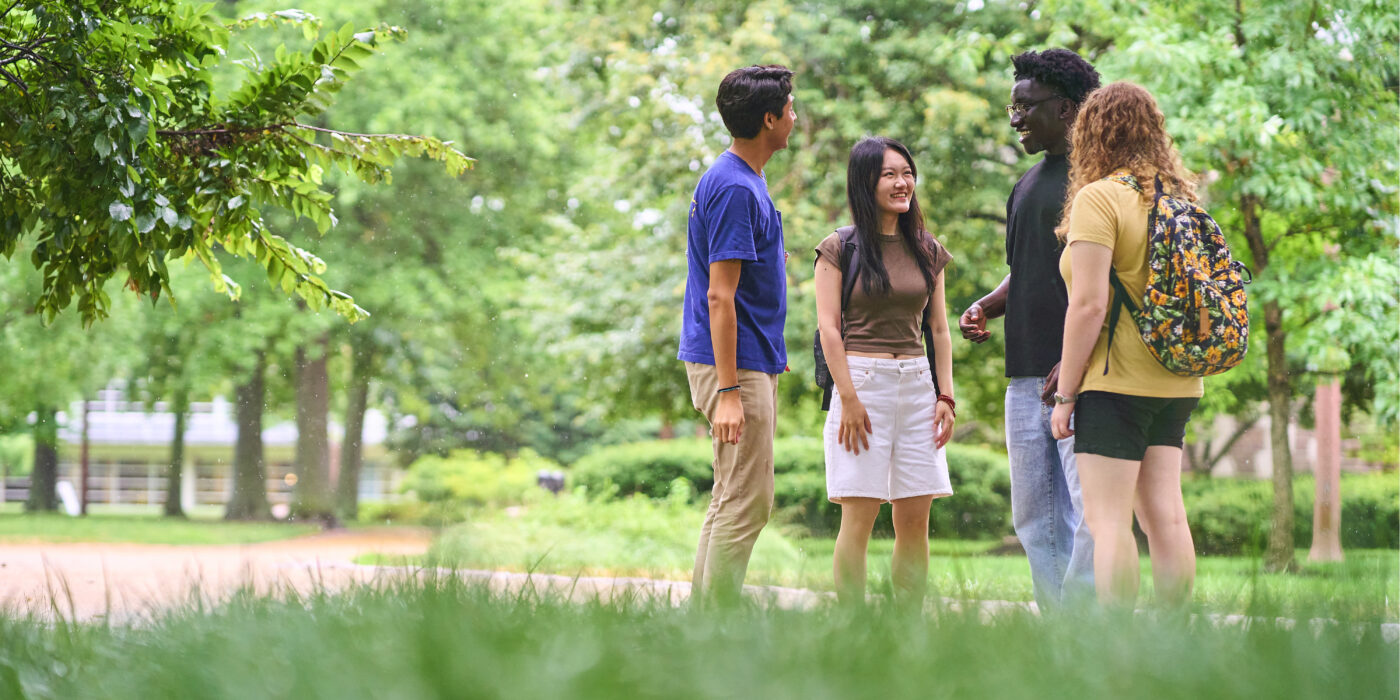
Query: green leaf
{"points": [[145, 222], [120, 211]]}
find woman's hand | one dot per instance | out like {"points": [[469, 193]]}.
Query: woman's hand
{"points": [[1059, 420], [855, 426], [943, 419]]}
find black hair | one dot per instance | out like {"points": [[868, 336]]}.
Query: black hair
{"points": [[746, 94], [862, 173], [1061, 70]]}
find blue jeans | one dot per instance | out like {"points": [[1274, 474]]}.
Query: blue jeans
{"points": [[1046, 507]]}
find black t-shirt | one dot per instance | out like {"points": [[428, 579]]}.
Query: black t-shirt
{"points": [[1036, 300]]}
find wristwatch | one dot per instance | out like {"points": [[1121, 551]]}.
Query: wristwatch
{"points": [[1061, 398]]}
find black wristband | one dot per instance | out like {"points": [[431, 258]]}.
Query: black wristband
{"points": [[728, 389]]}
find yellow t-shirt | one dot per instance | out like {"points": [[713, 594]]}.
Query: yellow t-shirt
{"points": [[1113, 215]]}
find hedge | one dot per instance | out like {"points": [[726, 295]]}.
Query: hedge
{"points": [[1227, 516], [1231, 516], [981, 506]]}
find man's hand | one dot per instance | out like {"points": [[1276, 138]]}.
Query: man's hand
{"points": [[729, 418], [973, 324], [1047, 392]]}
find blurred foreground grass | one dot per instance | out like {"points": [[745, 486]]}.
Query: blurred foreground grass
{"points": [[447, 639], [640, 537]]}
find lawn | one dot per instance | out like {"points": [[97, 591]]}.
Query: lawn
{"points": [[17, 528], [656, 539], [446, 639]]}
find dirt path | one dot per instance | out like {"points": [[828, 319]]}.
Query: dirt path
{"points": [[128, 581]]}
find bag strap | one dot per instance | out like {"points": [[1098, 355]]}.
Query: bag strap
{"points": [[1121, 300], [850, 267], [928, 340], [928, 350]]}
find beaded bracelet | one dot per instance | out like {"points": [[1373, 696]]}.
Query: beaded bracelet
{"points": [[952, 405]]}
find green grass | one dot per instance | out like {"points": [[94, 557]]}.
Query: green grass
{"points": [[446, 639], [639, 537], [141, 529]]}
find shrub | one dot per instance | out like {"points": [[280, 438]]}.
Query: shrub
{"points": [[980, 508], [1231, 516], [471, 478], [1226, 516], [645, 468], [411, 511]]}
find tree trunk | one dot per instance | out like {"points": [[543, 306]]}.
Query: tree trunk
{"points": [[352, 450], [249, 500], [313, 490], [181, 408], [1279, 556], [43, 481]]}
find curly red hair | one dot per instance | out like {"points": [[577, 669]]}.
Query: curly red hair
{"points": [[1120, 127]]}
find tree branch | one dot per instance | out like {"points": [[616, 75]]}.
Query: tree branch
{"points": [[27, 50], [220, 130], [1240, 430], [1291, 232], [15, 80], [351, 134], [985, 217]]}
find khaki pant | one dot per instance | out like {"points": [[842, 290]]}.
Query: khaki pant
{"points": [[743, 495]]}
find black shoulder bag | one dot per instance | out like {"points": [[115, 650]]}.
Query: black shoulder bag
{"points": [[850, 266]]}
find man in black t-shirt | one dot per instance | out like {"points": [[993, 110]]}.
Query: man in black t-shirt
{"points": [[1045, 499]]}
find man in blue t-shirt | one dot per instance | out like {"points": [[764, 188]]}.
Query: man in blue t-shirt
{"points": [[732, 325]]}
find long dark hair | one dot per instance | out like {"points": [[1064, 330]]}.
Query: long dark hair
{"points": [[862, 173]]}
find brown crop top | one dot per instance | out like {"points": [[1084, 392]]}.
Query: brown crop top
{"points": [[888, 324]]}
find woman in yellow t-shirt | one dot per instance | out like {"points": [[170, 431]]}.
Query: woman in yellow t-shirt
{"points": [[1129, 412]]}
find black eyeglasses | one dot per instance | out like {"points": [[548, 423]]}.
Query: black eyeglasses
{"points": [[1023, 107]]}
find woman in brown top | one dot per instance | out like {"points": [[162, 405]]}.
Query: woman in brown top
{"points": [[884, 438]]}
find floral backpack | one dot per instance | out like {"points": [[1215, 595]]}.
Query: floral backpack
{"points": [[1193, 315]]}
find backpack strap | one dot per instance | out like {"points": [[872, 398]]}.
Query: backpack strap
{"points": [[928, 350], [850, 267], [1121, 300], [928, 339]]}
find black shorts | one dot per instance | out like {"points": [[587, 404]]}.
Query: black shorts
{"points": [[1123, 427]]}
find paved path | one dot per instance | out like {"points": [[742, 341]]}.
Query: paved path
{"points": [[126, 582]]}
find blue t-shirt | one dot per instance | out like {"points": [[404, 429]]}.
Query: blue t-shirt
{"points": [[733, 218]]}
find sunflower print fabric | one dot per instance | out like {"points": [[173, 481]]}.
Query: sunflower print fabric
{"points": [[1194, 314]]}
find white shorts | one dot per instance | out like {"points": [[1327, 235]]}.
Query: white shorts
{"points": [[902, 461]]}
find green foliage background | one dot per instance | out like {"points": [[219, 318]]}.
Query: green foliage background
{"points": [[533, 301]]}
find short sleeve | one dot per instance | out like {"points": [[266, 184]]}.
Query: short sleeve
{"points": [[730, 225], [941, 256], [830, 249], [1094, 215]]}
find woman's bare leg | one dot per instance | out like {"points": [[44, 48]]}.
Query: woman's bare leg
{"points": [[857, 519], [1108, 486], [909, 569], [1162, 515]]}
